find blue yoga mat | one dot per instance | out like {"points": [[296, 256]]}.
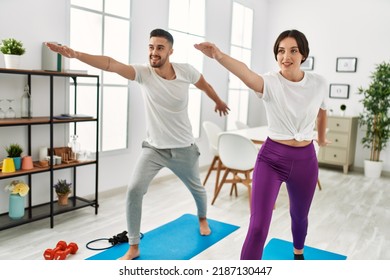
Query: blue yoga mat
{"points": [[278, 249], [177, 240]]}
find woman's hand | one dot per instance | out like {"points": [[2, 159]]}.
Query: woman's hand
{"points": [[323, 143], [210, 50]]}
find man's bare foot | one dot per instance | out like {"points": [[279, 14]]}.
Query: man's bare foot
{"points": [[204, 227], [132, 253]]}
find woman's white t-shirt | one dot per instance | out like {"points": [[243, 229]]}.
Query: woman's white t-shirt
{"points": [[166, 104], [292, 107]]}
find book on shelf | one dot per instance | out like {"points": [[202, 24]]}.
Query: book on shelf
{"points": [[72, 116], [76, 71]]}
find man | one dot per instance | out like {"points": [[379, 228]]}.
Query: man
{"points": [[169, 141]]}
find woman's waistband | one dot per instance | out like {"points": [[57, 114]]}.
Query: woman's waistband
{"points": [[290, 151]]}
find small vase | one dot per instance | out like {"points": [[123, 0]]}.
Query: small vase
{"points": [[63, 199], [8, 165], [27, 163], [16, 206], [12, 61], [17, 162]]}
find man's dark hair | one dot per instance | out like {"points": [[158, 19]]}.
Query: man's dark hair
{"points": [[303, 44], [162, 33]]}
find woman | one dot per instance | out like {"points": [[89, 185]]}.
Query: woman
{"points": [[294, 101]]}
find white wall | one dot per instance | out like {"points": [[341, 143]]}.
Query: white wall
{"points": [[334, 28], [37, 22]]}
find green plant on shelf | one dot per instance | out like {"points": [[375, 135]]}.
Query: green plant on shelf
{"points": [[62, 187], [14, 150], [12, 46]]}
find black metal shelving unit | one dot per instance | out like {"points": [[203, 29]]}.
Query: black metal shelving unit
{"points": [[51, 209]]}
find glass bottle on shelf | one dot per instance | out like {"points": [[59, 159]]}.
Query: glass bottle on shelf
{"points": [[10, 114], [26, 103], [2, 112], [74, 145]]}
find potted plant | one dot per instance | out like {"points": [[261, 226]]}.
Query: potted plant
{"points": [[63, 190], [18, 190], [12, 50], [15, 151], [375, 118]]}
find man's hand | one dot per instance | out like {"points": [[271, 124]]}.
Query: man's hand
{"points": [[222, 108], [64, 50]]}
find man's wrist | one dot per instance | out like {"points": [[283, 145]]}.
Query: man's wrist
{"points": [[220, 57]]}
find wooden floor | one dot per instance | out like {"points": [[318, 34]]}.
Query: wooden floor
{"points": [[350, 216]]}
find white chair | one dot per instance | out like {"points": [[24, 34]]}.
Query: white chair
{"points": [[238, 154], [241, 125], [212, 132]]}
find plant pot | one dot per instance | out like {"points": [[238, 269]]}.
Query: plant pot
{"points": [[27, 163], [63, 199], [372, 169], [8, 165], [16, 206], [17, 162], [12, 61]]}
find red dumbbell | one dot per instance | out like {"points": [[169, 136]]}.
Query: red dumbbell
{"points": [[62, 254], [49, 253]]}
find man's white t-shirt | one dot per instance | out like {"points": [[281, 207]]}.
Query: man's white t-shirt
{"points": [[292, 107], [166, 104]]}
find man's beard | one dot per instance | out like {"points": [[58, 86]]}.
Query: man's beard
{"points": [[158, 63]]}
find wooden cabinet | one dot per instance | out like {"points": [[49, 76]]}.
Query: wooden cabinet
{"points": [[50, 209], [342, 133]]}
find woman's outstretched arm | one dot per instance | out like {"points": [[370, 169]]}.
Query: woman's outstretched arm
{"points": [[238, 68]]}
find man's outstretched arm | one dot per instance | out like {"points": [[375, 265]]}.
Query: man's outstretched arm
{"points": [[102, 62], [220, 106]]}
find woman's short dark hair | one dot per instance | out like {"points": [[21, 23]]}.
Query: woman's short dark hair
{"points": [[303, 44], [162, 33]]}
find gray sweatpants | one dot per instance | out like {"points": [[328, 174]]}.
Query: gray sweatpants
{"points": [[184, 162]]}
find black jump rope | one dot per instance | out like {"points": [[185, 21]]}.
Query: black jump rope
{"points": [[115, 240]]}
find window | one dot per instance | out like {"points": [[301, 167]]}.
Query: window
{"points": [[187, 26], [94, 25], [241, 49]]}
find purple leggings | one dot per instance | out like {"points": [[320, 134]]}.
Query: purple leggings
{"points": [[277, 163]]}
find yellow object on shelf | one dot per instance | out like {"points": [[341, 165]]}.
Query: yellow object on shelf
{"points": [[8, 165]]}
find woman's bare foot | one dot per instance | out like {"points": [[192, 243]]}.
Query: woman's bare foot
{"points": [[298, 254], [132, 253], [204, 226]]}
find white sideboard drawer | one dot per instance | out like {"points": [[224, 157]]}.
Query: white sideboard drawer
{"points": [[334, 155], [342, 133], [338, 139], [339, 124]]}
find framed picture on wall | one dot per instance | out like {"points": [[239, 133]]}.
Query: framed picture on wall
{"points": [[308, 64], [340, 91], [346, 64]]}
